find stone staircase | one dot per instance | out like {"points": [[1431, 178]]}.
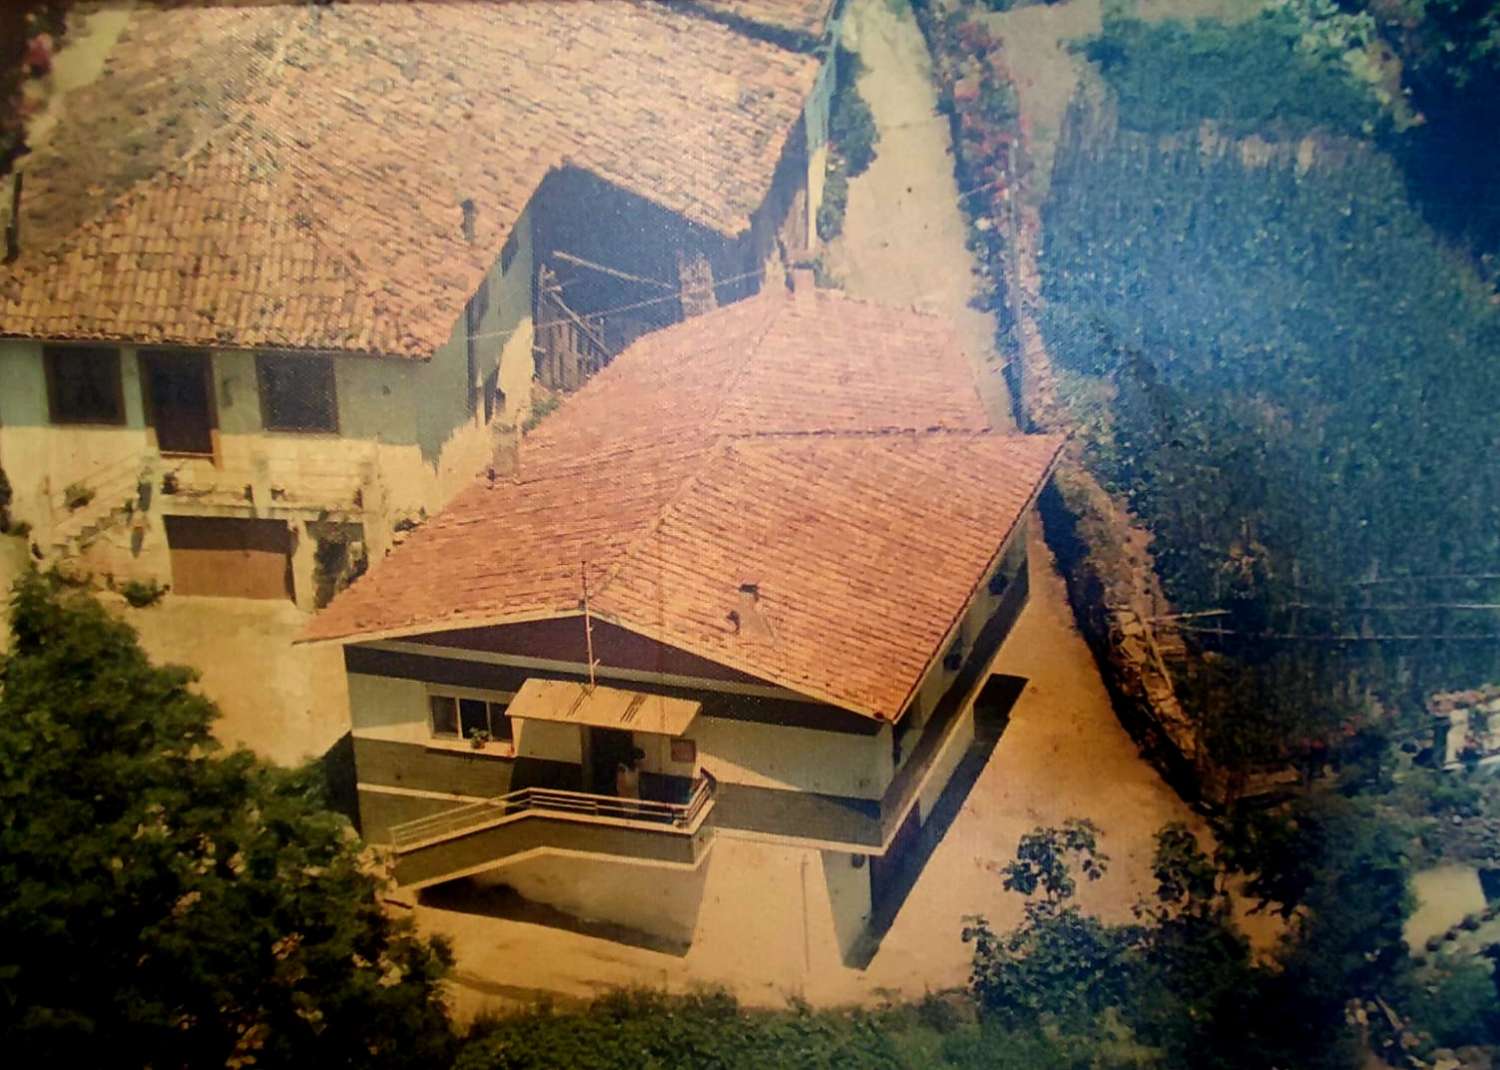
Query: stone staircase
{"points": [[100, 504]]}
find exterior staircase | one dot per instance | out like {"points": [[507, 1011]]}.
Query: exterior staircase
{"points": [[484, 835], [101, 503]]}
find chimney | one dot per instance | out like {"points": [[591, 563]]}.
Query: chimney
{"points": [[747, 618], [804, 283], [13, 227], [470, 214]]}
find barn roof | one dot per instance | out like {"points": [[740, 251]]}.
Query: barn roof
{"points": [[292, 176], [801, 487]]}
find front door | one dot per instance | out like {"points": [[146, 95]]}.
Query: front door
{"points": [[178, 402], [605, 750]]}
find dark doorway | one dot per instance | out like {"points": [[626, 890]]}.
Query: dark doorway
{"points": [[605, 750], [179, 402]]}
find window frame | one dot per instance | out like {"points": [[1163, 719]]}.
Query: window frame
{"points": [[495, 701], [265, 363], [116, 383]]}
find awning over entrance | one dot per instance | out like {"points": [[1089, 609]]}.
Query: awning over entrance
{"points": [[571, 702]]}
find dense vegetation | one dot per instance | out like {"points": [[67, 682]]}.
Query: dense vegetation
{"points": [[1450, 59], [1301, 397], [1168, 75], [852, 141], [164, 905]]}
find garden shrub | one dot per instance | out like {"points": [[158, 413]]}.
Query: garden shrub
{"points": [[142, 593], [835, 201]]}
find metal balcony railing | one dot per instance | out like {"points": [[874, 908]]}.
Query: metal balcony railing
{"points": [[568, 805]]}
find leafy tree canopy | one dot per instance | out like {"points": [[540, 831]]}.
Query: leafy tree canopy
{"points": [[164, 905], [1267, 75]]}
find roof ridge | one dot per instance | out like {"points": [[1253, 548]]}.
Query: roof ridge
{"points": [[893, 432], [716, 444]]}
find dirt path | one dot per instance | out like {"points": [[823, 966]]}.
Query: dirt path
{"points": [[93, 30], [903, 240]]}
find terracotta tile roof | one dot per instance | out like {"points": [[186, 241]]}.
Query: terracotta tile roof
{"points": [[291, 176], [850, 476]]}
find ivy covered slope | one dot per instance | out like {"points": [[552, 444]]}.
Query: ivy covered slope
{"points": [[1289, 379]]}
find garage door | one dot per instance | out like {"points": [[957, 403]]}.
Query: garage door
{"points": [[230, 558]]}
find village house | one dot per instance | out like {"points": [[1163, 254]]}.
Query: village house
{"points": [[746, 582], [282, 281]]}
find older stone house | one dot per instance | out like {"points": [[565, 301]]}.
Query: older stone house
{"points": [[770, 551], [281, 268]]}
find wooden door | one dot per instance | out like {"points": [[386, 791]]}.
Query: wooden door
{"points": [[179, 401], [230, 558]]}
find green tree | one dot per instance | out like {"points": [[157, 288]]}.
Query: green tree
{"points": [[164, 905], [1059, 964], [1337, 872]]}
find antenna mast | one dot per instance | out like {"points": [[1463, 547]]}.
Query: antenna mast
{"points": [[588, 622]]}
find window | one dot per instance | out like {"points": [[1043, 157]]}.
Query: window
{"points": [[296, 393], [83, 385], [508, 253], [462, 716], [954, 659]]}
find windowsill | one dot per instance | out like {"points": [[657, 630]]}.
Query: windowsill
{"points": [[303, 432], [463, 746], [118, 425]]}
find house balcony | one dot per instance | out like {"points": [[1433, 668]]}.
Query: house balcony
{"points": [[485, 835]]}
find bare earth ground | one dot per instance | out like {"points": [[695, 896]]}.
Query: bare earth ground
{"points": [[903, 240], [287, 703]]}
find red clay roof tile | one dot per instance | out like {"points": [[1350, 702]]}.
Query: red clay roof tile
{"points": [[853, 480], [291, 176]]}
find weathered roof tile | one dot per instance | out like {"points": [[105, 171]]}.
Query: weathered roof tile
{"points": [[832, 452], [296, 182]]}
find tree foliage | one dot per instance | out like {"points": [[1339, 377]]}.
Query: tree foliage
{"points": [[164, 905], [1302, 398], [1260, 76], [1180, 979]]}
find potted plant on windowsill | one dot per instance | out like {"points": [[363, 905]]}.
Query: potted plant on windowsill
{"points": [[478, 738]]}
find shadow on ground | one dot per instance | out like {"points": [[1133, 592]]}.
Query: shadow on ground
{"points": [[498, 901], [991, 714]]}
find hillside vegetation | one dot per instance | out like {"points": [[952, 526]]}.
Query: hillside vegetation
{"points": [[1278, 365]]}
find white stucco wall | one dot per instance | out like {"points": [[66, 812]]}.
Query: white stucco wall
{"points": [[660, 900], [395, 709], [406, 443], [846, 882], [802, 759], [737, 752], [810, 907]]}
